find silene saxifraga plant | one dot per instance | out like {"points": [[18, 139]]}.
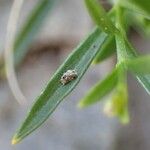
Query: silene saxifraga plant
{"points": [[108, 37]]}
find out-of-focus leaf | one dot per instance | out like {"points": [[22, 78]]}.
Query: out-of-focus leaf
{"points": [[118, 105], [100, 90], [139, 6], [128, 52], [55, 92], [144, 80], [32, 26], [145, 26], [140, 65], [99, 16], [108, 48], [28, 32], [141, 24]]}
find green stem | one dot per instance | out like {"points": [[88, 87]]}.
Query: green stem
{"points": [[120, 19], [121, 35]]}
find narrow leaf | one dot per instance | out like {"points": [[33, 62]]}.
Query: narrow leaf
{"points": [[100, 90], [146, 26], [99, 16], [144, 80], [55, 92], [142, 25], [108, 48], [139, 6], [28, 32], [140, 65], [118, 105]]}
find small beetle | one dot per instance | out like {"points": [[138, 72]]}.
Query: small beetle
{"points": [[68, 76]]}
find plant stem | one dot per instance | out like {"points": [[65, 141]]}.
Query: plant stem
{"points": [[121, 35]]}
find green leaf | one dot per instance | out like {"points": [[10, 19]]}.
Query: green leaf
{"points": [[99, 16], [144, 80], [141, 24], [145, 26], [100, 90], [140, 65], [28, 32], [118, 105], [55, 92], [108, 48], [139, 6], [128, 52]]}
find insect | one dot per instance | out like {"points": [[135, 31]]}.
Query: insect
{"points": [[68, 76]]}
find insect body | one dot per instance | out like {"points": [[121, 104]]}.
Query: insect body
{"points": [[68, 76]]}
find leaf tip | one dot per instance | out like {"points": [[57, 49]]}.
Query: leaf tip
{"points": [[81, 104], [108, 110], [94, 62], [125, 119], [15, 140]]}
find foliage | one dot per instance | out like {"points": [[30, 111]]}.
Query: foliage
{"points": [[109, 37]]}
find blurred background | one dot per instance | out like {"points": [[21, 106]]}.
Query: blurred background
{"points": [[69, 128]]}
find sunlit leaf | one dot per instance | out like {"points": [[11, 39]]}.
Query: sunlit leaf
{"points": [[100, 90], [55, 92]]}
